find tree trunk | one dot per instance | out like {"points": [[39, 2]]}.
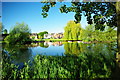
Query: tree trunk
{"points": [[116, 72], [118, 25]]}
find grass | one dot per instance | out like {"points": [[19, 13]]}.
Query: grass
{"points": [[52, 39]]}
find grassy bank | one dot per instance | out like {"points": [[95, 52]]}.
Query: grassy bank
{"points": [[72, 40], [51, 40]]}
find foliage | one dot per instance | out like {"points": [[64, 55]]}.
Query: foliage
{"points": [[19, 34], [1, 28], [43, 45], [99, 12], [75, 48], [20, 28], [72, 31], [18, 53], [85, 66], [90, 34], [41, 34], [5, 31], [33, 37], [89, 61]]}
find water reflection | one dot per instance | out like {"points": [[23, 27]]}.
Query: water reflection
{"points": [[92, 48], [49, 49], [18, 53], [93, 60], [23, 53], [45, 44]]}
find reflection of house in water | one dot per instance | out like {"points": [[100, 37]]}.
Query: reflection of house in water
{"points": [[58, 35], [53, 43], [57, 44], [34, 35], [53, 36]]}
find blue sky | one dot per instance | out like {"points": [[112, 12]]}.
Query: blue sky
{"points": [[0, 8], [30, 13]]}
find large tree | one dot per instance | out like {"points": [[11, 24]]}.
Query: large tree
{"points": [[101, 13], [41, 34], [72, 31], [19, 34]]}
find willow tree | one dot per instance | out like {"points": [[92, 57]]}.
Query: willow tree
{"points": [[100, 12], [72, 30]]}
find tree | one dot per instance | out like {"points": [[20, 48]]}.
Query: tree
{"points": [[72, 30], [1, 28], [90, 34], [5, 31], [41, 44], [20, 28], [41, 34], [19, 34], [99, 12]]}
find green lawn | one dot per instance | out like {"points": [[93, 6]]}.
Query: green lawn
{"points": [[52, 39]]}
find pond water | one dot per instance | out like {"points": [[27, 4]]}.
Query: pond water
{"points": [[75, 59], [25, 53], [48, 48]]}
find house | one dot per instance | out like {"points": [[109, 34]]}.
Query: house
{"points": [[58, 35], [53, 36], [47, 36]]}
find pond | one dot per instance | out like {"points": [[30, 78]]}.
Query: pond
{"points": [[60, 60]]}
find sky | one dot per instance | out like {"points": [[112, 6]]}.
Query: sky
{"points": [[0, 11], [30, 13]]}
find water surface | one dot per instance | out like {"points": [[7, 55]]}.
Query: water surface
{"points": [[65, 59]]}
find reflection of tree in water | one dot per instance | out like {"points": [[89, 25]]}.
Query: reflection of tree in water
{"points": [[57, 43], [89, 60], [18, 53], [42, 44], [79, 48], [47, 44], [87, 64], [72, 48]]}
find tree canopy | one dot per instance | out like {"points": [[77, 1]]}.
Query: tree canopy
{"points": [[100, 13], [90, 34], [20, 28], [72, 30], [5, 31], [19, 34], [41, 34]]}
